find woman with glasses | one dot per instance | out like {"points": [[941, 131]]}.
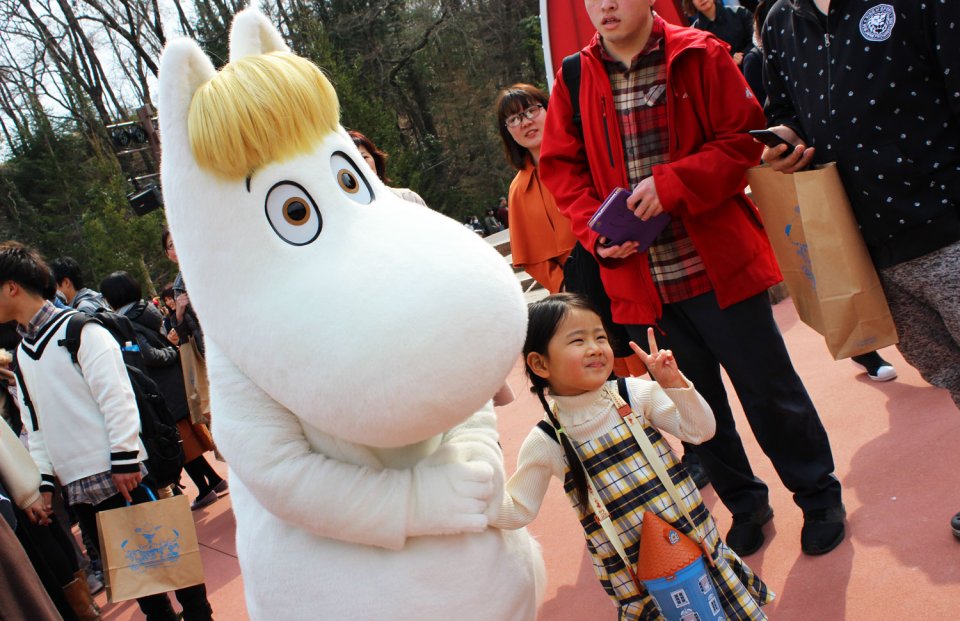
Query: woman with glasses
{"points": [[541, 239], [540, 236]]}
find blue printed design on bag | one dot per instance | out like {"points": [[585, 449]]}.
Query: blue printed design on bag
{"points": [[153, 547], [803, 252]]}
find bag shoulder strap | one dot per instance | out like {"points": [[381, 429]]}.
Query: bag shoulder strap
{"points": [[548, 429], [653, 458], [571, 77], [25, 393], [71, 339], [623, 390], [600, 512]]}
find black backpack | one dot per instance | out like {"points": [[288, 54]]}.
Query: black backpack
{"points": [[158, 429], [571, 77]]}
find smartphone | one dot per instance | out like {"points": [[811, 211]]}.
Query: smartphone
{"points": [[771, 139]]}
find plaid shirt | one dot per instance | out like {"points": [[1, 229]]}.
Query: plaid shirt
{"points": [[640, 98], [94, 489], [43, 316]]}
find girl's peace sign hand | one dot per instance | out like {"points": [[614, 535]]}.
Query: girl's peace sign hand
{"points": [[660, 363]]}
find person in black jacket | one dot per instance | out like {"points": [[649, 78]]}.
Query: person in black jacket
{"points": [[752, 65], [162, 360], [731, 24], [876, 89]]}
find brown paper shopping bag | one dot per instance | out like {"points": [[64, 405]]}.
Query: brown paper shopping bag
{"points": [[823, 258], [149, 548]]}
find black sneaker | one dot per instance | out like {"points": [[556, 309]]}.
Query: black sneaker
{"points": [[746, 535], [823, 530], [695, 469], [878, 369], [955, 524]]}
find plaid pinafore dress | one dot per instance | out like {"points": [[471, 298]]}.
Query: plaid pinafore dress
{"points": [[628, 487]]}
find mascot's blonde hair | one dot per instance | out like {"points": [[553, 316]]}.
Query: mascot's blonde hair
{"points": [[260, 109]]}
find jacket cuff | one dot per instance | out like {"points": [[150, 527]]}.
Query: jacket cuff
{"points": [[124, 462], [47, 483]]}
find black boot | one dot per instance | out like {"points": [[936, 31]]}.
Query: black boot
{"points": [[691, 461], [196, 606]]}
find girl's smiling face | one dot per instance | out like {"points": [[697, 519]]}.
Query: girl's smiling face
{"points": [[579, 358]]}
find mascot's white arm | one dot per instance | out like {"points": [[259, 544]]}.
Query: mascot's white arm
{"points": [[449, 492]]}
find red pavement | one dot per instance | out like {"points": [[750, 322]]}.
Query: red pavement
{"points": [[896, 450]]}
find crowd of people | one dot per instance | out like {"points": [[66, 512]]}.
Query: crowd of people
{"points": [[78, 413], [664, 111]]}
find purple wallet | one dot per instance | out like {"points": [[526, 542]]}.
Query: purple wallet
{"points": [[616, 222]]}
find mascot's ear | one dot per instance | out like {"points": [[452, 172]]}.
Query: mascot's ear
{"points": [[252, 33], [183, 69]]}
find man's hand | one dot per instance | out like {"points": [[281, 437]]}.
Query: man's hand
{"points": [[47, 500], [791, 162], [644, 201], [618, 251], [173, 337], [37, 513], [126, 483], [738, 58]]}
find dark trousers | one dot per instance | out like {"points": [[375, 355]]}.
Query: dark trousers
{"points": [[52, 555], [746, 341], [155, 607]]}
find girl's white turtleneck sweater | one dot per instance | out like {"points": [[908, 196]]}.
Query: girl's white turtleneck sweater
{"points": [[680, 412]]}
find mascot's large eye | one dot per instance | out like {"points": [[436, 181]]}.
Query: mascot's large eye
{"points": [[293, 214], [349, 179]]}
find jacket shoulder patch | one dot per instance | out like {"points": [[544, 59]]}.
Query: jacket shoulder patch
{"points": [[877, 23]]}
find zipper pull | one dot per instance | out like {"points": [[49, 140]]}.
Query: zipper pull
{"points": [[826, 39]]}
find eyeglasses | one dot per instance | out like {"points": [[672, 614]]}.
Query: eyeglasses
{"points": [[514, 120]]}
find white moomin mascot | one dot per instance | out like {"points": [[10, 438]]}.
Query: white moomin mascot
{"points": [[353, 343]]}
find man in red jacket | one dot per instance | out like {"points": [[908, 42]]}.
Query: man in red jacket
{"points": [[665, 111]]}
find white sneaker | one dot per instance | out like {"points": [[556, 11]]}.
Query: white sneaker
{"points": [[878, 369]]}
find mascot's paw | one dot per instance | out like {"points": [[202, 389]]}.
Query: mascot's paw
{"points": [[451, 494], [470, 451]]}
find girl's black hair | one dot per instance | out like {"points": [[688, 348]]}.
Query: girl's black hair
{"points": [[544, 317]]}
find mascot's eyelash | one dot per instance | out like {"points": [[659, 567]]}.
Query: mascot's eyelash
{"points": [[248, 182]]}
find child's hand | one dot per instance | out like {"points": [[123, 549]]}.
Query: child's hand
{"points": [[660, 363]]}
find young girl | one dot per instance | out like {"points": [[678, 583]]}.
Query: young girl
{"points": [[567, 352]]}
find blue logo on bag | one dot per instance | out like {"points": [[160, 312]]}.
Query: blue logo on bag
{"points": [[803, 252], [152, 547]]}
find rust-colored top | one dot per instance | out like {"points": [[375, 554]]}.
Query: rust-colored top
{"points": [[540, 236]]}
